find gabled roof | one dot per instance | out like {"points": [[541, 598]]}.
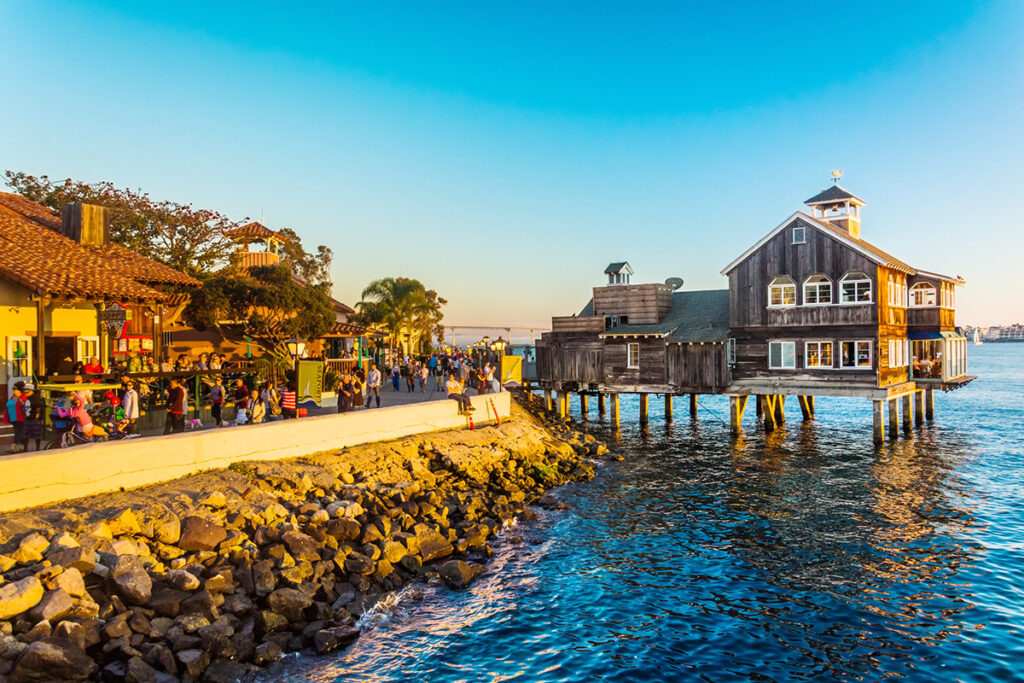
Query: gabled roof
{"points": [[833, 193], [35, 255], [864, 248], [253, 232], [618, 267], [697, 316]]}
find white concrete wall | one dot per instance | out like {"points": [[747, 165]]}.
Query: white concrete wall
{"points": [[42, 477]]}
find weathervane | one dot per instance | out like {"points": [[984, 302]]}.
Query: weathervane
{"points": [[836, 175]]}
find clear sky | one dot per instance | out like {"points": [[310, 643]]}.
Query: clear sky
{"points": [[504, 153]]}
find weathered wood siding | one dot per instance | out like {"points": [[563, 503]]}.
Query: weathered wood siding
{"points": [[652, 362], [892, 326], [821, 254], [575, 323], [644, 304], [570, 360], [698, 368]]}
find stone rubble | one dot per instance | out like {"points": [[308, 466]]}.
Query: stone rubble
{"points": [[213, 586]]}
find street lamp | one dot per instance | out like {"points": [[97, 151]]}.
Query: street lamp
{"points": [[296, 347], [499, 345]]}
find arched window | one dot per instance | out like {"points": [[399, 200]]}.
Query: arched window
{"points": [[922, 295], [855, 288], [782, 292], [817, 290]]}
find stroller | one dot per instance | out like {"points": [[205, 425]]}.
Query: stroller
{"points": [[66, 431]]}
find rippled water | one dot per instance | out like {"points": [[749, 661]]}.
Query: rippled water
{"points": [[804, 554]]}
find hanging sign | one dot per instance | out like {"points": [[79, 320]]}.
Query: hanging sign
{"points": [[116, 317]]}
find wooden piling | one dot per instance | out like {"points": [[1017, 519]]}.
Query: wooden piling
{"points": [[643, 408], [737, 405], [759, 407], [615, 410], [668, 407], [601, 410], [879, 424], [584, 405], [780, 409], [908, 414], [693, 406], [805, 407], [547, 400], [929, 404], [770, 413], [894, 417], [563, 404], [918, 407]]}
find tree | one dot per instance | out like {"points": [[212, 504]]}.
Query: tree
{"points": [[265, 304], [403, 306], [313, 268], [183, 237]]}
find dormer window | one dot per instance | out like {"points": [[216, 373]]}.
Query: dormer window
{"points": [[817, 290], [922, 295], [798, 234], [612, 321], [782, 291], [855, 288]]}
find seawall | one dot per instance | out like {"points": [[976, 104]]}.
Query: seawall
{"points": [[44, 477]]}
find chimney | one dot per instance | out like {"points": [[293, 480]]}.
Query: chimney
{"points": [[86, 223]]}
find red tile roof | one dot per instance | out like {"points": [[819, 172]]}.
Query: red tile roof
{"points": [[254, 231], [35, 255]]}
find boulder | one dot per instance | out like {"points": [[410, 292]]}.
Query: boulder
{"points": [[199, 533], [225, 671], [459, 574], [194, 662], [183, 580], [82, 559], [125, 523], [167, 531], [302, 546], [432, 544], [289, 603], [53, 660], [71, 581], [54, 606], [267, 653], [344, 528], [215, 500], [357, 563], [138, 671], [393, 551], [330, 639], [63, 541], [20, 596]]}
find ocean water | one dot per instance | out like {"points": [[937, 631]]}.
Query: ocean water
{"points": [[805, 554]]}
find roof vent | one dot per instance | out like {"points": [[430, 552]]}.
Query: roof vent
{"points": [[674, 282]]}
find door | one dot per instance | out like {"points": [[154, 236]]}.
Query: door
{"points": [[19, 359], [88, 347]]}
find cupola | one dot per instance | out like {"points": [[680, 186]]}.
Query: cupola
{"points": [[838, 206], [618, 273]]}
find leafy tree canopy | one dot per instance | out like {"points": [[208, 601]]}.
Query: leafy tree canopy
{"points": [[266, 304], [403, 306]]}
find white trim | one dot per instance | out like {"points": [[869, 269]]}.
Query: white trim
{"points": [[803, 234], [831, 289], [829, 230], [781, 355], [11, 377], [78, 347], [730, 350], [632, 363], [955, 280], [871, 354], [832, 353]]}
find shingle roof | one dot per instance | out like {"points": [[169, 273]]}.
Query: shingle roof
{"points": [[696, 316], [36, 256], [615, 267], [833, 193], [886, 258], [254, 231]]}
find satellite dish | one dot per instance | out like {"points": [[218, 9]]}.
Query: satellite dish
{"points": [[674, 282]]}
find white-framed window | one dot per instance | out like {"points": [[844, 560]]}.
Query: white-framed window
{"points": [[781, 355], [855, 354], [855, 288], [897, 291], [948, 296], [799, 234], [633, 355], [19, 359], [922, 295], [897, 353], [87, 347], [782, 291], [817, 290], [818, 354], [731, 351]]}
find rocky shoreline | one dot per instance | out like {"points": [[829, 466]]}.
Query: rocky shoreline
{"points": [[214, 576]]}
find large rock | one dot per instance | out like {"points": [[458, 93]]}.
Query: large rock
{"points": [[167, 531], [31, 548], [54, 606], [71, 581], [20, 596], [433, 545], [194, 662], [52, 660], [289, 603], [357, 563], [330, 639], [135, 586], [344, 529], [302, 546], [125, 523], [199, 533], [459, 574], [183, 580], [82, 559]]}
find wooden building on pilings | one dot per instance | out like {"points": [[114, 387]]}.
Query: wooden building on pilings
{"points": [[812, 310]]}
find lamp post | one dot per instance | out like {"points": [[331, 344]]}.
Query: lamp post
{"points": [[296, 347]]}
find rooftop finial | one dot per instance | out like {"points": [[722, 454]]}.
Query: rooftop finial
{"points": [[836, 175]]}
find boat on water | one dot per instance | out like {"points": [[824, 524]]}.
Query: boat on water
{"points": [[977, 337]]}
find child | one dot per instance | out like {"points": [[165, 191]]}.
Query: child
{"points": [[16, 416]]}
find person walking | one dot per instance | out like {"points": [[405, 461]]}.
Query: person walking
{"points": [[424, 373], [217, 400], [177, 406], [410, 376], [130, 405], [396, 376], [439, 377], [373, 385], [345, 392], [16, 417]]}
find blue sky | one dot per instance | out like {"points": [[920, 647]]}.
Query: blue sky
{"points": [[504, 154]]}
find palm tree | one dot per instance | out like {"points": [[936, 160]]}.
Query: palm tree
{"points": [[402, 306]]}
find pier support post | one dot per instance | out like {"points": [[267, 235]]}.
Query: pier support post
{"points": [[668, 407], [780, 410], [563, 404], [643, 408], [894, 417], [806, 407], [769, 412], [879, 424], [693, 406], [759, 407], [584, 405], [908, 414], [810, 405], [737, 404], [918, 407], [601, 410], [615, 410], [929, 404], [547, 400]]}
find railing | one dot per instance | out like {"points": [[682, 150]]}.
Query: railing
{"points": [[340, 364]]}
